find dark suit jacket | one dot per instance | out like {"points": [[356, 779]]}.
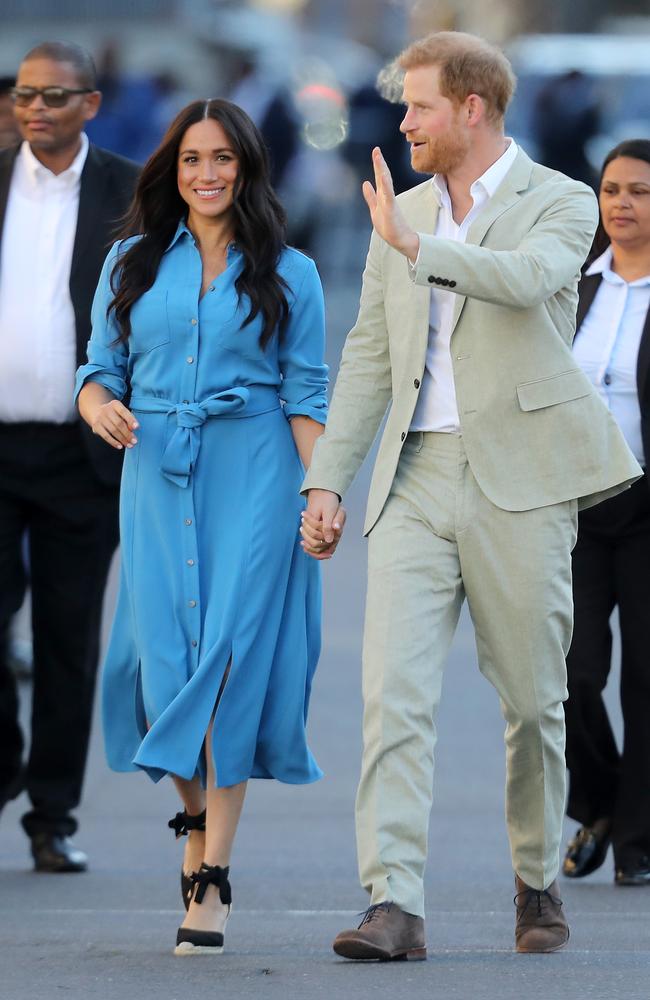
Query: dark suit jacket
{"points": [[107, 185], [587, 289]]}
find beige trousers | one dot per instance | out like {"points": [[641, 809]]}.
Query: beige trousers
{"points": [[439, 540]]}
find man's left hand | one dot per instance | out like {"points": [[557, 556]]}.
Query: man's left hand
{"points": [[385, 213]]}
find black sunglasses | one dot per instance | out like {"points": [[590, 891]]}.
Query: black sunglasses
{"points": [[53, 97]]}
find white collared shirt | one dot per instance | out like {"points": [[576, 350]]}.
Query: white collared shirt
{"points": [[607, 346], [436, 408], [38, 355]]}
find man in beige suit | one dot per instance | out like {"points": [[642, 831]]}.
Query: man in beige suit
{"points": [[493, 439]]}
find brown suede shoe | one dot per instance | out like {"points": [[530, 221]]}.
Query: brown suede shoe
{"points": [[540, 925], [386, 934]]}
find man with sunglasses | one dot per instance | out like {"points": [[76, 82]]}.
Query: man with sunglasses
{"points": [[60, 198]]}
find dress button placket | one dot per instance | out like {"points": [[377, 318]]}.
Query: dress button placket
{"points": [[189, 549], [190, 577]]}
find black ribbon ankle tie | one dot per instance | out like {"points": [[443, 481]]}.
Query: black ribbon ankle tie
{"points": [[212, 875]]}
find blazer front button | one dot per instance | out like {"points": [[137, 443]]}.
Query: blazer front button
{"points": [[403, 435], [416, 383]]}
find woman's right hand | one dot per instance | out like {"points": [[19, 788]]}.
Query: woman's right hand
{"points": [[115, 424]]}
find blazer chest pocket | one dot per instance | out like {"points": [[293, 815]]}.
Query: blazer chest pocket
{"points": [[553, 390], [149, 322]]}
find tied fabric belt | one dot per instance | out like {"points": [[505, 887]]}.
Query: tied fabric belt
{"points": [[182, 448]]}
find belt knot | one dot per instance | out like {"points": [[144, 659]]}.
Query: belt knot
{"points": [[192, 415]]}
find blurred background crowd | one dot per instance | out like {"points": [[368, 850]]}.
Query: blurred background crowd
{"points": [[306, 71]]}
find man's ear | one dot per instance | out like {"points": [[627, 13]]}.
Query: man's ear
{"points": [[92, 104], [474, 109]]}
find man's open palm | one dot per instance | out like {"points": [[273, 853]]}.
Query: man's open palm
{"points": [[385, 213]]}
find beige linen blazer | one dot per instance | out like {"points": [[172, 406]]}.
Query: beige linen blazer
{"points": [[534, 430]]}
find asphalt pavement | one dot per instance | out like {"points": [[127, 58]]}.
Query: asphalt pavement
{"points": [[110, 932]]}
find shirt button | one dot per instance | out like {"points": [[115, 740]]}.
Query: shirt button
{"points": [[190, 360], [188, 520], [194, 642], [211, 288], [194, 322], [607, 379], [191, 604], [185, 402], [190, 562], [416, 383]]}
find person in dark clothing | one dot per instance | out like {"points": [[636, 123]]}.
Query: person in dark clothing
{"points": [[60, 198], [566, 116], [609, 792], [9, 134]]}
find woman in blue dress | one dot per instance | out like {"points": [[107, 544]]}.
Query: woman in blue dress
{"points": [[212, 331]]}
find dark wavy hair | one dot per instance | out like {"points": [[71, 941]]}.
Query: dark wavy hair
{"points": [[635, 149], [157, 207]]}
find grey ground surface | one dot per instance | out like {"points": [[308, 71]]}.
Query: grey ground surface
{"points": [[109, 933]]}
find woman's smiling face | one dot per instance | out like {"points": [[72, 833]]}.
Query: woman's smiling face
{"points": [[208, 169]]}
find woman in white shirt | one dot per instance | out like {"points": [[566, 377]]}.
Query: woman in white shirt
{"points": [[610, 789]]}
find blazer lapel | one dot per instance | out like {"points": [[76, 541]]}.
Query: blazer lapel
{"points": [[7, 160], [643, 360], [506, 195], [587, 288], [424, 218], [91, 192]]}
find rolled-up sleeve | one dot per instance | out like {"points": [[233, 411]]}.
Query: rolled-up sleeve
{"points": [[301, 351], [107, 356]]}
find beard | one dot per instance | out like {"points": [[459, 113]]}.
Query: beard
{"points": [[442, 154]]}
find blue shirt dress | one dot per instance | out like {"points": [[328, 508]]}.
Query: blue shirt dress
{"points": [[213, 575]]}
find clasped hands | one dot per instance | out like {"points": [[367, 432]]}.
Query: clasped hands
{"points": [[322, 524]]}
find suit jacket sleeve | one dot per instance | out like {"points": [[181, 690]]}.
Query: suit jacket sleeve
{"points": [[547, 259], [363, 388], [107, 356]]}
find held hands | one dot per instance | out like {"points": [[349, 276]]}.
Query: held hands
{"points": [[115, 424], [386, 216], [322, 524]]}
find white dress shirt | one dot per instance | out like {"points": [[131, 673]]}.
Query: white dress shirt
{"points": [[607, 346], [436, 408], [37, 324]]}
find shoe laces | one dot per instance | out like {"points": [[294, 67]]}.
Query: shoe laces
{"points": [[540, 896], [373, 912]]}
